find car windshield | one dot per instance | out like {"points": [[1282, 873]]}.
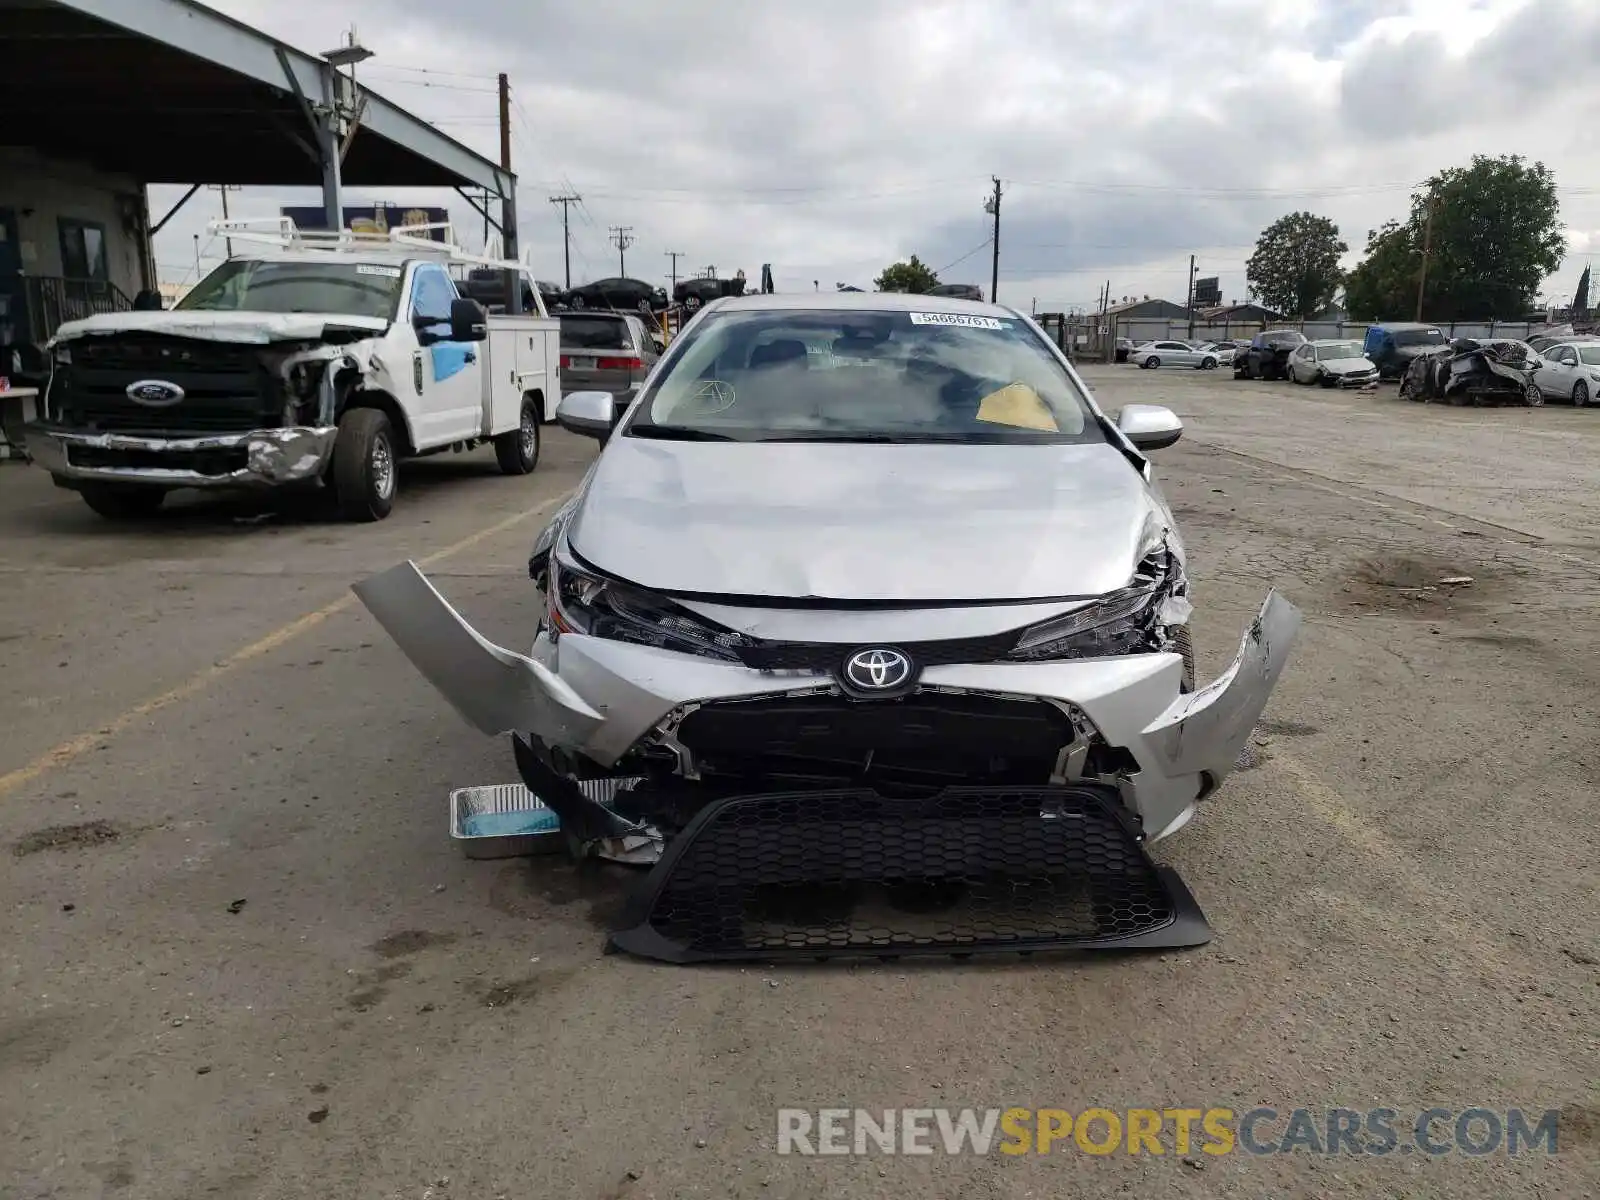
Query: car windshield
{"points": [[1419, 337], [593, 333], [254, 285], [1340, 350], [865, 375], [1589, 355]]}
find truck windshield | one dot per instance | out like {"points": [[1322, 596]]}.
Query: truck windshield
{"points": [[254, 285]]}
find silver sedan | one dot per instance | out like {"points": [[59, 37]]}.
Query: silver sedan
{"points": [[1174, 354], [911, 616]]}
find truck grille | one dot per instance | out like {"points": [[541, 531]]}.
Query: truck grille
{"points": [[226, 387], [852, 873]]}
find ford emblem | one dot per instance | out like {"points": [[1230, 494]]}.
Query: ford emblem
{"points": [[155, 393]]}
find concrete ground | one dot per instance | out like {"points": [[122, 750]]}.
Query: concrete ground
{"points": [[258, 968]]}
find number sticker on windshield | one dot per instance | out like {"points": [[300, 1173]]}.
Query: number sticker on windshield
{"points": [[918, 318], [386, 272]]}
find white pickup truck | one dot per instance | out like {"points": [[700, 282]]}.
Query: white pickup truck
{"points": [[305, 360]]}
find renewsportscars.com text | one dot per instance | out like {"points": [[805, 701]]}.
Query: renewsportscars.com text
{"points": [[1180, 1131]]}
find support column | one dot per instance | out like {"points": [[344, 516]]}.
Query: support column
{"points": [[328, 148]]}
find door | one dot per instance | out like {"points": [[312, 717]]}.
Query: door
{"points": [[1559, 373], [13, 310], [1178, 354], [447, 375]]}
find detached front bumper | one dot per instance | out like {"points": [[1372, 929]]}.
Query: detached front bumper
{"points": [[598, 698], [260, 458]]}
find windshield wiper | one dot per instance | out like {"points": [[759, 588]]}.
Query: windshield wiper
{"points": [[879, 438], [680, 433]]}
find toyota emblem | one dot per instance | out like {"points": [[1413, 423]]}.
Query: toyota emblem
{"points": [[877, 670], [155, 393]]}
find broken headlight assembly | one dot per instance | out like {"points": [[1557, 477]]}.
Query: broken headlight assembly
{"points": [[1133, 620], [579, 601]]}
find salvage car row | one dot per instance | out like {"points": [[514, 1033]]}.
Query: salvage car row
{"points": [[1429, 366]]}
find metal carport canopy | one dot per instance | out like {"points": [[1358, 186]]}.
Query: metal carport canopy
{"points": [[169, 91]]}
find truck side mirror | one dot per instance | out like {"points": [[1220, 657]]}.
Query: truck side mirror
{"points": [[468, 321]]}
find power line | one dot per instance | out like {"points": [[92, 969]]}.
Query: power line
{"points": [[960, 260]]}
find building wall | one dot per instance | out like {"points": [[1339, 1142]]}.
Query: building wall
{"points": [[43, 190]]}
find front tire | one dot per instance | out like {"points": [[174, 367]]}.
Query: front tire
{"points": [[365, 465], [517, 450], [1533, 396], [578, 302], [122, 501], [1580, 394]]}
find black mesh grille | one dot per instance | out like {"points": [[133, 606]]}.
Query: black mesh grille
{"points": [[926, 737], [852, 873], [226, 387]]}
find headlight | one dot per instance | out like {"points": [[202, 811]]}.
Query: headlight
{"points": [[580, 602], [1124, 622], [1113, 625]]}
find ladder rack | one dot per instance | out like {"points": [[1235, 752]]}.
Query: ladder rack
{"points": [[411, 241]]}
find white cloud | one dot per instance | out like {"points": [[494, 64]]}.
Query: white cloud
{"points": [[831, 138]]}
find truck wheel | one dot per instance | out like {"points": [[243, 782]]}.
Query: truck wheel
{"points": [[122, 501], [364, 465], [517, 450], [578, 302]]}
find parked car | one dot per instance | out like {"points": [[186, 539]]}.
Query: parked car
{"points": [[1543, 341], [1570, 371], [304, 361], [751, 636], [1391, 345], [1224, 351], [618, 293], [692, 293], [959, 291], [1332, 362], [606, 352], [1152, 355], [1267, 355], [487, 286], [1468, 371]]}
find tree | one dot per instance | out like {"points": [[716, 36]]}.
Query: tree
{"points": [[1383, 285], [913, 276], [1580, 298], [1295, 268], [1493, 233]]}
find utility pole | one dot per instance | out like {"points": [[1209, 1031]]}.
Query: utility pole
{"points": [[566, 235], [225, 188], [621, 238], [675, 255], [508, 201], [992, 205], [1427, 248], [1190, 305]]}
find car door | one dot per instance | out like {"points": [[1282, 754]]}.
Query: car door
{"points": [[1559, 374], [445, 373], [1171, 354]]}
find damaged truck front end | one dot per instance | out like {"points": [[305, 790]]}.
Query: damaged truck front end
{"points": [[160, 404]]}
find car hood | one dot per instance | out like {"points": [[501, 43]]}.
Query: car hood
{"points": [[1345, 366], [912, 523], [258, 328]]}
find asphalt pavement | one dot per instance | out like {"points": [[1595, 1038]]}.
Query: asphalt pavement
{"points": [[242, 959]]}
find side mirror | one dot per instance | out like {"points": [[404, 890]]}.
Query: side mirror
{"points": [[468, 321], [591, 414], [1149, 426]]}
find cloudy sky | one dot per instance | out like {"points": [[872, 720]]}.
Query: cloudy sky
{"points": [[832, 137]]}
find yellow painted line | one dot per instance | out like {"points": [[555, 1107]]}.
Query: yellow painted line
{"points": [[1326, 804], [75, 747]]}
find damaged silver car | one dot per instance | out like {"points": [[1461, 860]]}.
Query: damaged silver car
{"points": [[868, 632]]}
